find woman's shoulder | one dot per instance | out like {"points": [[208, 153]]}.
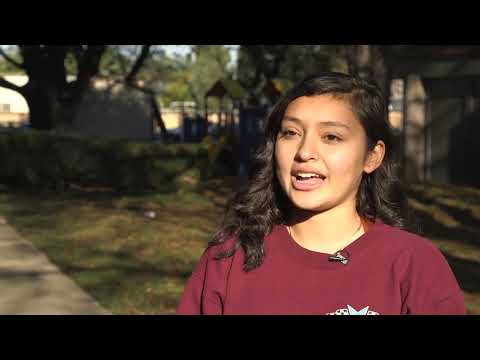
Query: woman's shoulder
{"points": [[406, 243], [233, 242], [212, 251], [217, 257], [428, 283]]}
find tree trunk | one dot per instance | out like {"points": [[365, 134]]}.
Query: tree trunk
{"points": [[368, 62], [45, 107], [157, 114], [51, 99]]}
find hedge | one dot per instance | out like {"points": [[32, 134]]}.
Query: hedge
{"points": [[39, 160]]}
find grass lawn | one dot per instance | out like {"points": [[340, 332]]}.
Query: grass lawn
{"points": [[129, 263], [450, 217], [135, 265]]}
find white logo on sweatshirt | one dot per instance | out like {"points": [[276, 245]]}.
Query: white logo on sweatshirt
{"points": [[350, 310]]}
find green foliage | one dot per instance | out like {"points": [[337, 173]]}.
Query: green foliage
{"points": [[304, 60], [222, 157], [37, 160], [71, 65], [114, 62], [176, 91], [211, 64], [6, 68], [186, 78], [289, 62]]}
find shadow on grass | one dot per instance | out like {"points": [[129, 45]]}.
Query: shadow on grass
{"points": [[119, 279], [468, 232], [52, 201], [431, 228], [121, 275], [101, 195], [463, 216], [124, 261], [25, 275], [46, 207]]}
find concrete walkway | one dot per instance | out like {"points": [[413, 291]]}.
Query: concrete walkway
{"points": [[31, 284]]}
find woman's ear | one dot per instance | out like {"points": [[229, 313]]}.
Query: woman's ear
{"points": [[374, 157]]}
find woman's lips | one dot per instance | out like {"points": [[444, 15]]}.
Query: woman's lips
{"points": [[307, 184]]}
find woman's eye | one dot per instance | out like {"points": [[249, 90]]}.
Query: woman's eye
{"points": [[332, 138], [288, 133]]}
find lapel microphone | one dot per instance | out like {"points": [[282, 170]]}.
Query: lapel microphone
{"points": [[339, 257]]}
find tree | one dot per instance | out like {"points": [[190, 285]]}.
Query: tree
{"points": [[130, 81], [7, 66], [368, 61], [258, 64], [188, 77], [261, 63], [51, 98], [170, 76], [136, 75], [209, 64]]}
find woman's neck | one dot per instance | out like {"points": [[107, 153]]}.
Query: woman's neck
{"points": [[327, 231]]}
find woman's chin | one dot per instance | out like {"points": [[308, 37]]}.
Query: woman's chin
{"points": [[309, 204]]}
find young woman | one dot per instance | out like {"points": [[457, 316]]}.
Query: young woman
{"points": [[322, 226]]}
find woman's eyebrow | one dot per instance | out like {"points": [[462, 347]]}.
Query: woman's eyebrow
{"points": [[324, 123], [292, 118], [334, 123]]}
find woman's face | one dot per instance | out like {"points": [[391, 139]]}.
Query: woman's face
{"points": [[320, 153]]}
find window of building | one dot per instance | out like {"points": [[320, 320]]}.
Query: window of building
{"points": [[4, 108]]}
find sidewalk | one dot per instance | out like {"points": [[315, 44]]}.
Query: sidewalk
{"points": [[31, 284]]}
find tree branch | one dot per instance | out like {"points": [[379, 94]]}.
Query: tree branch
{"points": [[350, 57], [278, 60], [10, 60], [123, 64], [138, 64], [8, 85], [89, 65], [192, 92], [78, 51], [157, 113], [32, 56]]}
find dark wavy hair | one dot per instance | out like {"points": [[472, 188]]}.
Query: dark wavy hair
{"points": [[262, 203]]}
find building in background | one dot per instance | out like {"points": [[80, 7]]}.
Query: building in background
{"points": [[13, 107], [441, 113]]}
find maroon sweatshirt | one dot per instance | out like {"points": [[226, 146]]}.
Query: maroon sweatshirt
{"points": [[389, 271]]}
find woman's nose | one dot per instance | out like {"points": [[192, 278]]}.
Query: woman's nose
{"points": [[307, 151]]}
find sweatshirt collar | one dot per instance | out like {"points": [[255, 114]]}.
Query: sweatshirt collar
{"points": [[289, 247]]}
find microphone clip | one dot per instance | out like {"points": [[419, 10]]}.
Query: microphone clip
{"points": [[338, 257]]}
